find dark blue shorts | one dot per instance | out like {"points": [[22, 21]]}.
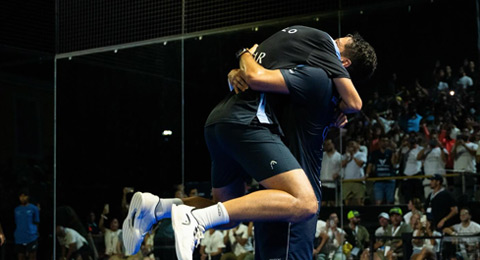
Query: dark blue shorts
{"points": [[242, 151], [27, 248]]}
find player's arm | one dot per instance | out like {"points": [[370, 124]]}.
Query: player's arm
{"points": [[258, 78], [351, 101], [253, 75]]}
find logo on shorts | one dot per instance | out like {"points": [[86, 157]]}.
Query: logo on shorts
{"points": [[219, 210], [272, 163]]}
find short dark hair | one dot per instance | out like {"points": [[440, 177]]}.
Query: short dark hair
{"points": [[363, 57], [23, 191]]}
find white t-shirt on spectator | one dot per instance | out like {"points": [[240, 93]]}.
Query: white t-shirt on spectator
{"points": [[320, 225], [72, 237], [111, 241], [472, 229], [330, 165], [380, 231], [465, 82], [433, 162], [213, 242], [442, 86], [332, 239], [352, 170], [243, 232], [465, 161], [363, 149], [413, 166]]}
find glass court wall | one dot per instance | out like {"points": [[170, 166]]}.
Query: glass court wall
{"points": [[131, 115]]}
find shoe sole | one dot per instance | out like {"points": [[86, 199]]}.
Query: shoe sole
{"points": [[137, 217]]}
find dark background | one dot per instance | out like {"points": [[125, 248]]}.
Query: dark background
{"points": [[110, 108]]}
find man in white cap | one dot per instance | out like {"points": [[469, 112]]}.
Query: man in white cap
{"points": [[384, 221]]}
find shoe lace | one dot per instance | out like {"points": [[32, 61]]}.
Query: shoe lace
{"points": [[198, 234]]}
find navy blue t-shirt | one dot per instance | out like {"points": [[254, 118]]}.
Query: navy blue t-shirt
{"points": [[383, 163], [305, 119]]}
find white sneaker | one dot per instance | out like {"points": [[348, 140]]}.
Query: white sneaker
{"points": [[188, 232], [140, 218]]}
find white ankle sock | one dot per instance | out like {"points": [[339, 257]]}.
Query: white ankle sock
{"points": [[164, 207], [212, 216]]}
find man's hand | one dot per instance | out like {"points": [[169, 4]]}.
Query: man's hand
{"points": [[2, 239], [253, 49], [341, 120], [236, 77], [236, 80], [106, 209]]}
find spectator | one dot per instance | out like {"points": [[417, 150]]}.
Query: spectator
{"points": [[381, 164], [180, 191], [318, 242], [27, 219], [353, 162], [465, 82], [464, 153], [466, 227], [362, 144], [472, 72], [434, 158], [447, 137], [333, 237], [412, 187], [91, 225], [386, 120], [94, 236], [112, 235], [193, 192], [73, 245], [441, 85], [374, 139], [240, 241], [330, 171], [440, 206], [383, 221], [414, 206], [396, 229], [414, 220], [450, 79], [356, 234], [424, 228], [413, 120], [212, 245]]}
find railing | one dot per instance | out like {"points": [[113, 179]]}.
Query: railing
{"points": [[465, 246], [462, 174]]}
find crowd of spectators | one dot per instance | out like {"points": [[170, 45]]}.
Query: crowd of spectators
{"points": [[417, 145], [420, 127]]}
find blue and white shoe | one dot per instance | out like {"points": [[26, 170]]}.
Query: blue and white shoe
{"points": [[140, 219], [188, 233]]}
